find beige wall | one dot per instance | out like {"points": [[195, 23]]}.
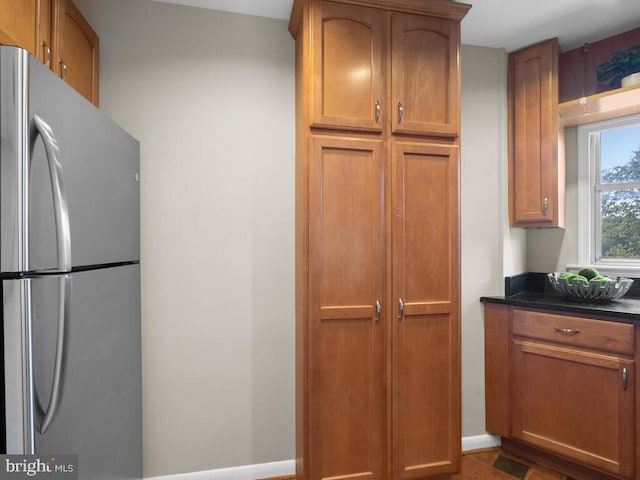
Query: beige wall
{"points": [[210, 97], [483, 212], [552, 249]]}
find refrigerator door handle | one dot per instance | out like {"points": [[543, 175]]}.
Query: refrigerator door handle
{"points": [[61, 352], [60, 207]]}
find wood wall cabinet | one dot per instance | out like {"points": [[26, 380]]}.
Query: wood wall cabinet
{"points": [[27, 24], [564, 385], [536, 139], [348, 86], [75, 50], [377, 213], [56, 33]]}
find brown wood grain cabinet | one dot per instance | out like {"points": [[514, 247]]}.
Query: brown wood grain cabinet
{"points": [[536, 138], [425, 326], [27, 24], [564, 386], [56, 33], [348, 87], [377, 213], [75, 50], [425, 79]]}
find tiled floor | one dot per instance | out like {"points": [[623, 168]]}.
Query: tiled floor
{"points": [[494, 465]]}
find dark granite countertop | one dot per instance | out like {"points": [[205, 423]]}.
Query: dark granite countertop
{"points": [[530, 290]]}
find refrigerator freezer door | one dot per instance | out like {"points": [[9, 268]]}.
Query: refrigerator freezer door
{"points": [[99, 416], [100, 173]]}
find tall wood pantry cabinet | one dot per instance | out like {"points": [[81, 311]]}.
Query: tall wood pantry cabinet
{"points": [[56, 33], [377, 238]]}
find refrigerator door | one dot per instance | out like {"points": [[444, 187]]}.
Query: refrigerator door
{"points": [[99, 173], [99, 414]]}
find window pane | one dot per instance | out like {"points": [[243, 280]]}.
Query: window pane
{"points": [[620, 155], [620, 230]]}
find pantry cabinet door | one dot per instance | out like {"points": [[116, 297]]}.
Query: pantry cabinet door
{"points": [[425, 319], [347, 67], [425, 78], [347, 407]]}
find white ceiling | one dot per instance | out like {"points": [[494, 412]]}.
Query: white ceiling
{"points": [[511, 24]]}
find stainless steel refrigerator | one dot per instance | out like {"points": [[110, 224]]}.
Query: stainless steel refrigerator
{"points": [[69, 269]]}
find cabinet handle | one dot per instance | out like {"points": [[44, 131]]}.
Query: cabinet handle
{"points": [[545, 206], [567, 331], [400, 112], [624, 378], [401, 306], [64, 70], [377, 111], [47, 54], [378, 309]]}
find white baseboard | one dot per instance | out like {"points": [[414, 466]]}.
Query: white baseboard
{"points": [[288, 467], [246, 472], [480, 441]]}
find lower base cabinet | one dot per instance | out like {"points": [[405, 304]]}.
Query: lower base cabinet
{"points": [[561, 390]]}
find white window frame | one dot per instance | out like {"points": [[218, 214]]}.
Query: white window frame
{"points": [[589, 205]]}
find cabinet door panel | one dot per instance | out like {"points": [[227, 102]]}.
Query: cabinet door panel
{"points": [[76, 50], [26, 24], [534, 136], [347, 403], [426, 391], [347, 66], [575, 404], [425, 79]]}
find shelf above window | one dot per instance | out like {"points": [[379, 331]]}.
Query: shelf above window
{"points": [[602, 106]]}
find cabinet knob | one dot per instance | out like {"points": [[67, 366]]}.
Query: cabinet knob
{"points": [[400, 112], [624, 379], [545, 206], [378, 309], [377, 111], [401, 307]]}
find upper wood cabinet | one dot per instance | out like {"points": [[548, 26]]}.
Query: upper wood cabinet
{"points": [[425, 79], [536, 141], [55, 32], [75, 50], [348, 89], [353, 50], [27, 24]]}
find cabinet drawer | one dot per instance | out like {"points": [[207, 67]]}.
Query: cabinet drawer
{"points": [[576, 331]]}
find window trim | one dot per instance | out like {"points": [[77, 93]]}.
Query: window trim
{"points": [[589, 218]]}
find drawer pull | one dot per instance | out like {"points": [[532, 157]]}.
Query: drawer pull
{"points": [[567, 331], [624, 378]]}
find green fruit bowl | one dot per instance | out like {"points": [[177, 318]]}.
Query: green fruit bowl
{"points": [[595, 290]]}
